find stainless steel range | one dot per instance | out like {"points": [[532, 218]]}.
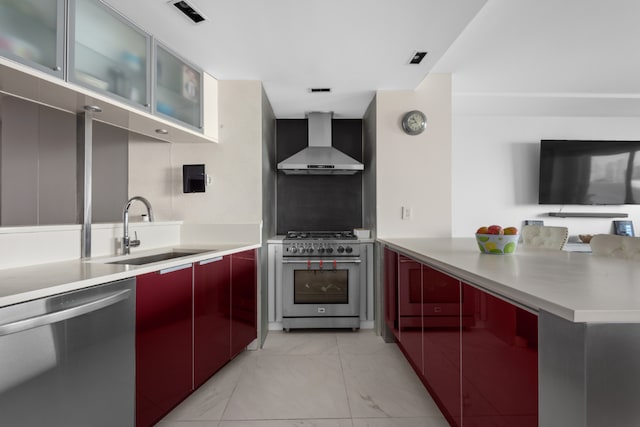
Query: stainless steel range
{"points": [[321, 280]]}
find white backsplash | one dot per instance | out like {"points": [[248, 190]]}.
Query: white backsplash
{"points": [[106, 238], [22, 246]]}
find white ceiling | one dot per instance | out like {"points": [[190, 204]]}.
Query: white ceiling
{"points": [[570, 49], [354, 47], [549, 47]]}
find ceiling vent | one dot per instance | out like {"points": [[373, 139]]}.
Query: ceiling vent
{"points": [[188, 10], [319, 89], [417, 57]]}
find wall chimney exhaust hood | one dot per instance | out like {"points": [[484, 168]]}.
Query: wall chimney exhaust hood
{"points": [[320, 158]]}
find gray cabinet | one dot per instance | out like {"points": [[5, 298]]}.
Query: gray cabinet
{"points": [[32, 33], [37, 164], [177, 89], [108, 53]]}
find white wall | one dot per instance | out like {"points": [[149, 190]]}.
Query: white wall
{"points": [[235, 165], [495, 167], [414, 171]]}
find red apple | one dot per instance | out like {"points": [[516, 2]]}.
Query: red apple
{"points": [[495, 229], [482, 230], [510, 230]]}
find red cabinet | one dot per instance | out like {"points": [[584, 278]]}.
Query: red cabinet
{"points": [[442, 322], [475, 353], [410, 310], [211, 317], [391, 290], [243, 300], [163, 342], [190, 321], [499, 364]]}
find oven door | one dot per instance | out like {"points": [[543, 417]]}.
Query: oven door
{"points": [[321, 287]]}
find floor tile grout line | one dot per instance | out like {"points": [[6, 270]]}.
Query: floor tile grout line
{"points": [[344, 379], [235, 386]]}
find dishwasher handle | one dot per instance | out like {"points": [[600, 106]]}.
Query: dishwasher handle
{"points": [[65, 314]]}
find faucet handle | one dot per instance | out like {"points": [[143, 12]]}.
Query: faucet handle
{"points": [[135, 242]]}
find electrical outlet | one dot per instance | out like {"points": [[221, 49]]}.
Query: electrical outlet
{"points": [[406, 213]]}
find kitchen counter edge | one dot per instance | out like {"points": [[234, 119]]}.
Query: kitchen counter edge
{"points": [[23, 284], [558, 282]]}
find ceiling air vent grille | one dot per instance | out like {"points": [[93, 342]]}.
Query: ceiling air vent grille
{"points": [[189, 11]]}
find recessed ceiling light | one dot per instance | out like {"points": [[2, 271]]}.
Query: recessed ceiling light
{"points": [[417, 57], [188, 10]]}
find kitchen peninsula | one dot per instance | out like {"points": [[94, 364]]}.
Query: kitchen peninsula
{"points": [[588, 324]]}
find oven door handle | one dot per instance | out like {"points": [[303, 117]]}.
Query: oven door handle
{"points": [[324, 261]]}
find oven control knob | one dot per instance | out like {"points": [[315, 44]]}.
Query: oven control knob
{"points": [[340, 249], [310, 250], [293, 249], [320, 250], [349, 249], [329, 250]]}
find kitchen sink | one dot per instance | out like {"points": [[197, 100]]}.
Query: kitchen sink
{"points": [[148, 259]]}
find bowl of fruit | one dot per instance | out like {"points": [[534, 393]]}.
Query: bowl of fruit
{"points": [[497, 240]]}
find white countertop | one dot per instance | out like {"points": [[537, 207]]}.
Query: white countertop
{"points": [[42, 280], [576, 286]]}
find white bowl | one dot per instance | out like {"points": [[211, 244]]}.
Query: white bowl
{"points": [[498, 244]]}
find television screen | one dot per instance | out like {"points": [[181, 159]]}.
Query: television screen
{"points": [[582, 172]]}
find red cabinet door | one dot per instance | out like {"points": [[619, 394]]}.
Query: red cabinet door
{"points": [[243, 300], [499, 364], [410, 310], [163, 342], [211, 317], [441, 340], [391, 290]]}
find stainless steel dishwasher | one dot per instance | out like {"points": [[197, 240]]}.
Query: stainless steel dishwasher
{"points": [[69, 360]]}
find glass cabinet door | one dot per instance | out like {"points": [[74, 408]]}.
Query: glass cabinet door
{"points": [[108, 53], [178, 88], [32, 32]]}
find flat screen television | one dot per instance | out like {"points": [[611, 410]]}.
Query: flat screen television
{"points": [[585, 172]]}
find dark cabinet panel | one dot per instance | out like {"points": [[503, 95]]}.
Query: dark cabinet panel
{"points": [[243, 300], [499, 364], [211, 317], [163, 342], [391, 290]]}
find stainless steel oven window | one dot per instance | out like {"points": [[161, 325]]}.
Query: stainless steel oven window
{"points": [[321, 287]]}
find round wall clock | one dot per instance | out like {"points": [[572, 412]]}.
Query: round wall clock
{"points": [[414, 122]]}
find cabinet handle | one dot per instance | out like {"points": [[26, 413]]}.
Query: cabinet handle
{"points": [[209, 261], [56, 68], [59, 316], [176, 268]]}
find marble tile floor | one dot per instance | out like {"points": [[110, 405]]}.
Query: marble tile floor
{"points": [[312, 379]]}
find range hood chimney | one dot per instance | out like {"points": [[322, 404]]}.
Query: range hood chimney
{"points": [[320, 158]]}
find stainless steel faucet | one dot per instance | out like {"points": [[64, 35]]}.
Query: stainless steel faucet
{"points": [[127, 244]]}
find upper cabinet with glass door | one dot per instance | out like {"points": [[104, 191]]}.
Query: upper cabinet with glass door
{"points": [[178, 88], [108, 53], [32, 32]]}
